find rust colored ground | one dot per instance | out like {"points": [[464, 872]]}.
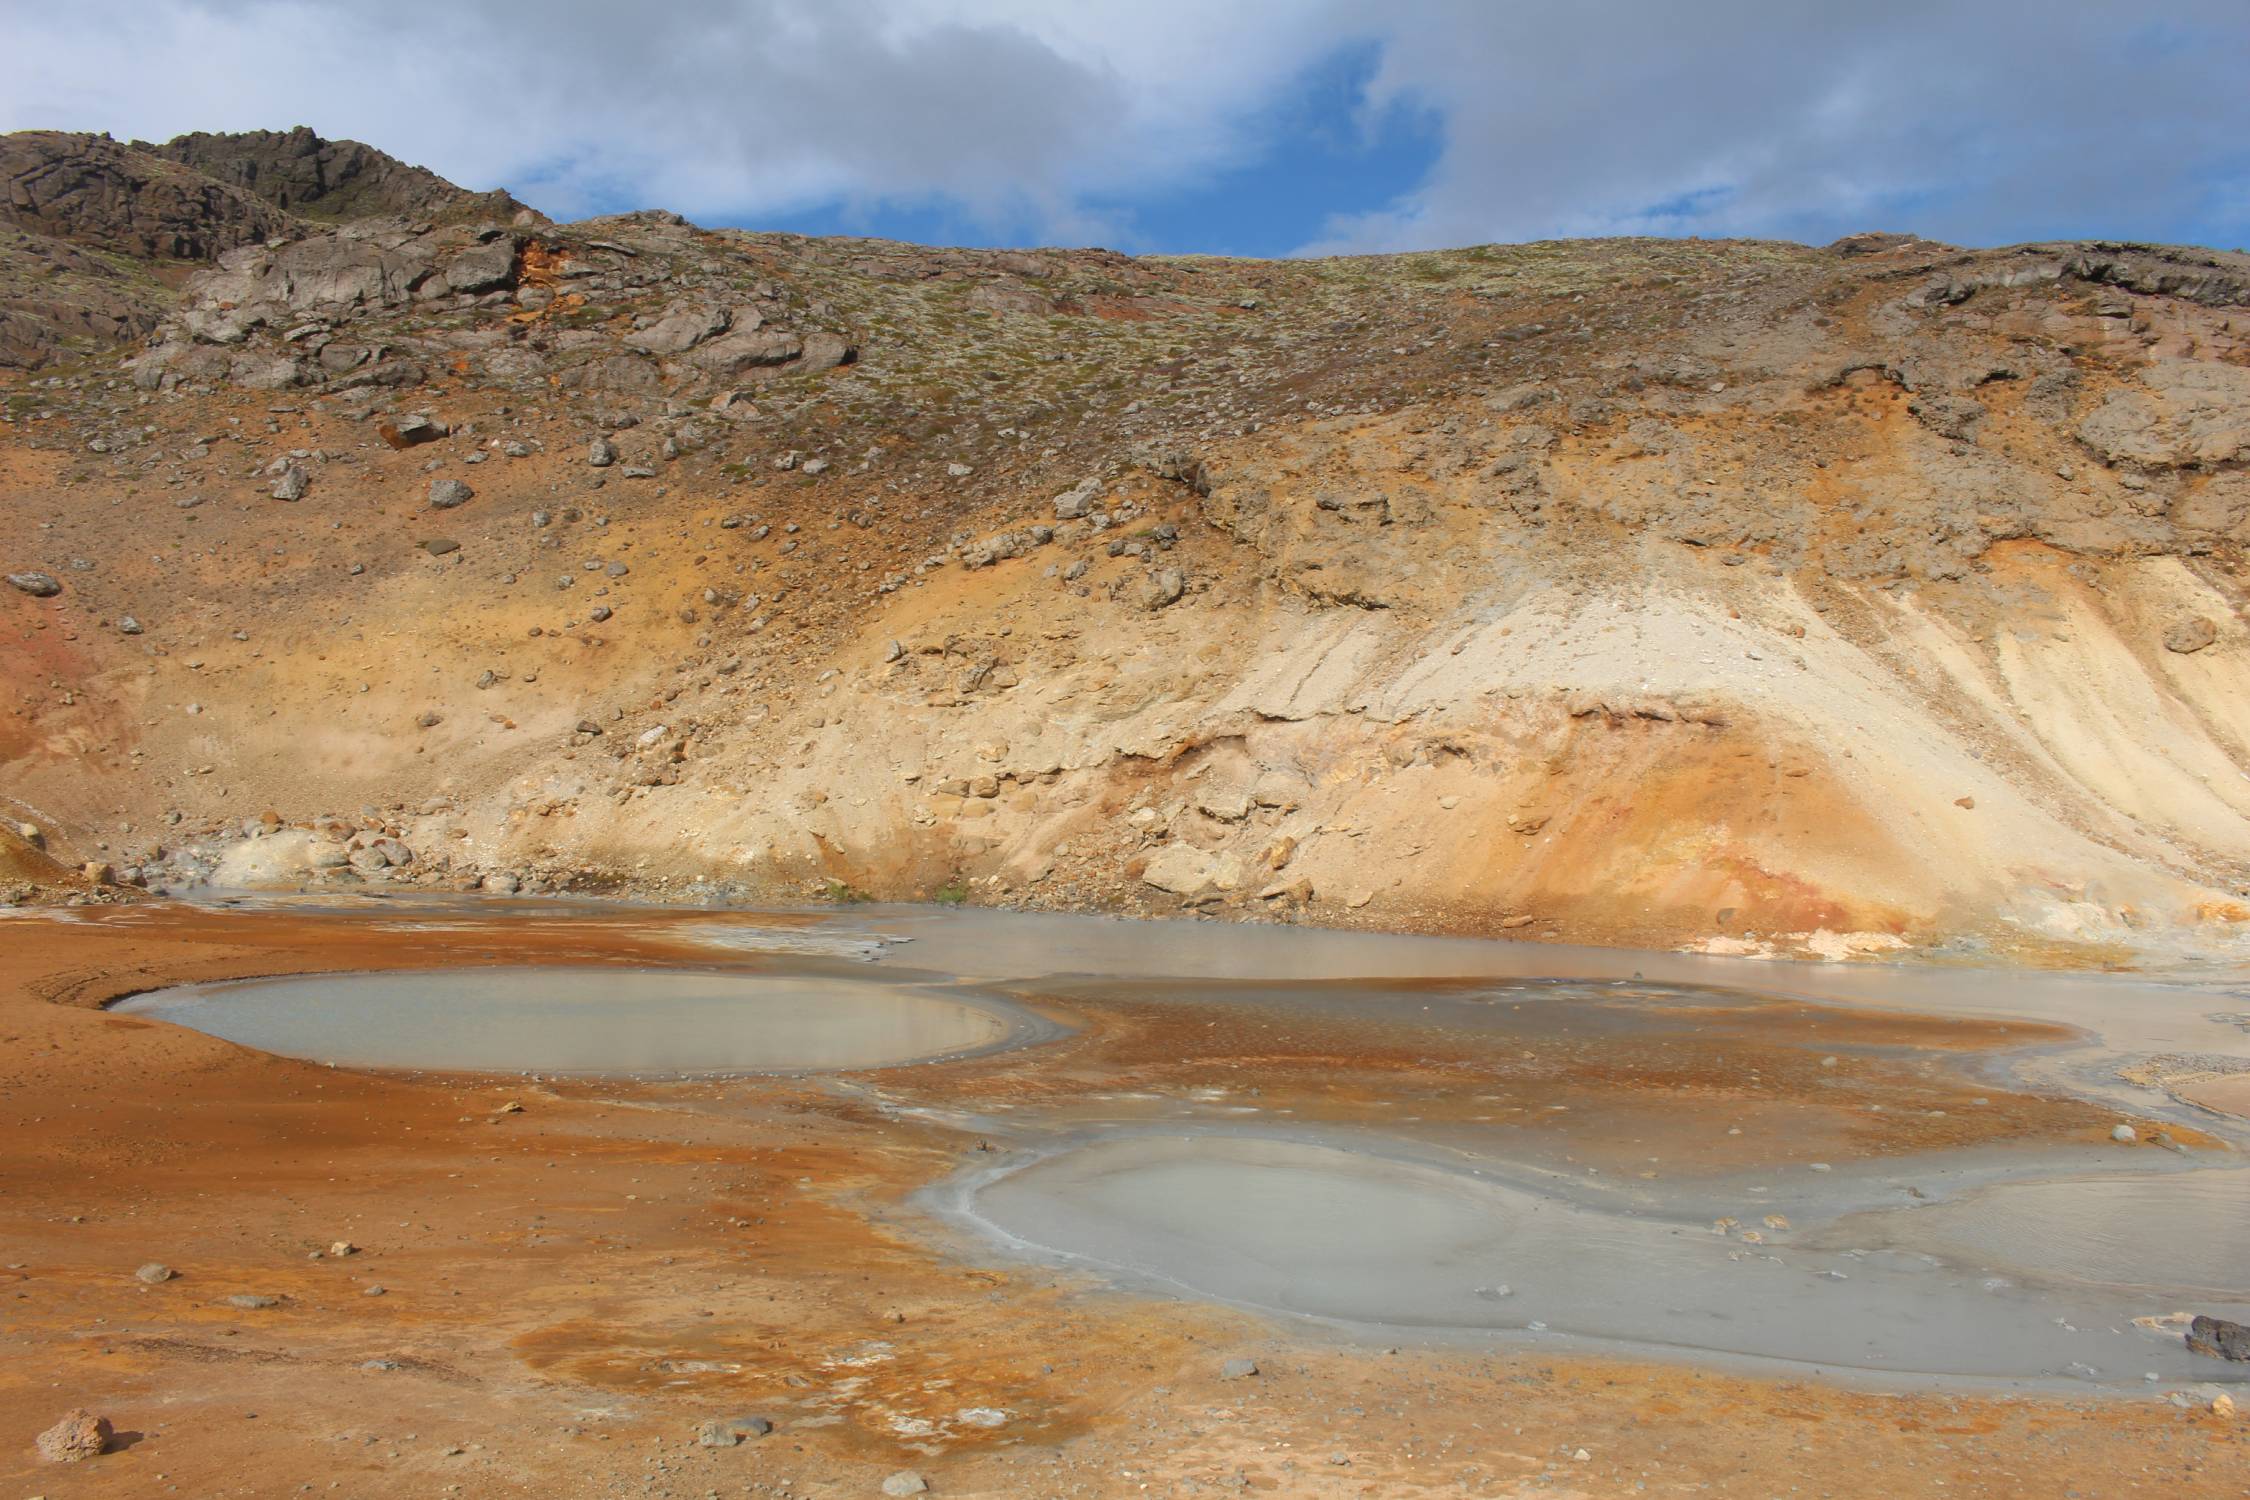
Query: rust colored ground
{"points": [[568, 1290]]}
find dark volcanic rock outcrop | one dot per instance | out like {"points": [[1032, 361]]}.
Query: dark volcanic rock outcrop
{"points": [[299, 172]]}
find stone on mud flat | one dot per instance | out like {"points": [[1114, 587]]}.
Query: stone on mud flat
{"points": [[253, 1301], [37, 585], [78, 1436], [155, 1273], [2189, 636], [729, 1431], [906, 1482], [445, 494], [2124, 1135], [1238, 1369], [2218, 1338]]}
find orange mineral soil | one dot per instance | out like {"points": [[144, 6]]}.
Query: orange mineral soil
{"points": [[551, 1287]]}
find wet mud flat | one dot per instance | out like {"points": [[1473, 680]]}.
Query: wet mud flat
{"points": [[1021, 1268]]}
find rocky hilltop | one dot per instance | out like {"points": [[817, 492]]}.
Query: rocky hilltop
{"points": [[1745, 596], [95, 236]]}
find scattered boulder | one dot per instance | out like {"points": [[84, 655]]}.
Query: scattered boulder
{"points": [[2190, 636], [156, 1273], [80, 1435], [445, 494], [1073, 503], [1162, 588], [253, 1301], [408, 432], [292, 484], [37, 585], [500, 883], [906, 1482], [601, 453], [1238, 1369], [1181, 869], [2218, 1338], [826, 351]]}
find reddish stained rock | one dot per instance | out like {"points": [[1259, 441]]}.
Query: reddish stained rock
{"points": [[79, 1435]]}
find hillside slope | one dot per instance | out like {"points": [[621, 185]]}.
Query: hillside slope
{"points": [[1743, 596]]}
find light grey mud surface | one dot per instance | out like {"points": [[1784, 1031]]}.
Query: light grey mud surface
{"points": [[1367, 1237], [619, 1021]]}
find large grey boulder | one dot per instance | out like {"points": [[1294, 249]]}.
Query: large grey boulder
{"points": [[825, 351], [483, 268], [744, 350], [683, 328]]}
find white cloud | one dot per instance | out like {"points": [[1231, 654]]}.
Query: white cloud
{"points": [[1988, 121], [1983, 121]]}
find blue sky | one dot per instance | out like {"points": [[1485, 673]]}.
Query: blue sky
{"points": [[1263, 127], [1317, 157]]}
